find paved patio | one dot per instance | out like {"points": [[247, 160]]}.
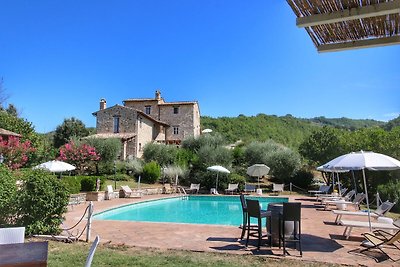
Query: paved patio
{"points": [[322, 240]]}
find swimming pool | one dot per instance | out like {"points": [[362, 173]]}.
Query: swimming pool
{"points": [[216, 210]]}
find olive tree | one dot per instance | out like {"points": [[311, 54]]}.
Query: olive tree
{"points": [[283, 162], [321, 146]]}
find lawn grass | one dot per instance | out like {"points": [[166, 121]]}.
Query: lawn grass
{"points": [[62, 254]]}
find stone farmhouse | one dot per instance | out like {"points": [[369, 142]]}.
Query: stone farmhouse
{"points": [[141, 121]]}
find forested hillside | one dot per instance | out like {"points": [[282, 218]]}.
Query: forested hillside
{"points": [[286, 130], [346, 123]]}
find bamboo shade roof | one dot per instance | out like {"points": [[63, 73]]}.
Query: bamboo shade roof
{"points": [[335, 25]]}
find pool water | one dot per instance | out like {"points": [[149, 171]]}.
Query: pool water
{"points": [[216, 210]]}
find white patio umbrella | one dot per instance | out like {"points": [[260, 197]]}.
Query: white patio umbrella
{"points": [[55, 166], [218, 169], [258, 170], [364, 160], [207, 131]]}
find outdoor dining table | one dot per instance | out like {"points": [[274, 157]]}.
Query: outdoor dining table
{"points": [[31, 254], [276, 210]]}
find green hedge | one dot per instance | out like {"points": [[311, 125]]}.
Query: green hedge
{"points": [[72, 184], [391, 192], [8, 191], [82, 183], [41, 203], [119, 177], [151, 172], [88, 184]]}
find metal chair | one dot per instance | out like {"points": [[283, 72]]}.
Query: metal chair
{"points": [[92, 250], [244, 210], [254, 211], [291, 213]]}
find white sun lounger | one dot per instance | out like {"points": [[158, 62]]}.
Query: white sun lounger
{"points": [[340, 213], [374, 225], [356, 201], [347, 196], [323, 189], [127, 192], [380, 211]]}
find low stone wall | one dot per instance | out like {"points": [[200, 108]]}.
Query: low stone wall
{"points": [[95, 196], [152, 191]]}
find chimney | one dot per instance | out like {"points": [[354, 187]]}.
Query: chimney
{"points": [[103, 104], [158, 95]]}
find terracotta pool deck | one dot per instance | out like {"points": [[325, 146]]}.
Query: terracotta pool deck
{"points": [[322, 240]]}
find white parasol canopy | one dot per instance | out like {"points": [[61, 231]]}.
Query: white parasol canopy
{"points": [[258, 170], [218, 169], [55, 166], [363, 160], [207, 131]]}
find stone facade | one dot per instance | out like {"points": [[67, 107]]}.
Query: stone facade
{"points": [[140, 121]]}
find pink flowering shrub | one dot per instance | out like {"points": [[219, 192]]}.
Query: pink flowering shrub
{"points": [[15, 152], [81, 156]]}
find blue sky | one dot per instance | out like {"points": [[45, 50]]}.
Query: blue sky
{"points": [[59, 58]]}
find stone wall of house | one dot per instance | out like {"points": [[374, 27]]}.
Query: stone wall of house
{"points": [[105, 119], [196, 120], [130, 148], [141, 106], [185, 120], [127, 124], [145, 133]]}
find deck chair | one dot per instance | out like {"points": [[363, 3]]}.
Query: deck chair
{"points": [[110, 193], [356, 202], [346, 196], [194, 188], [361, 224], [249, 188], [92, 250], [232, 188], [333, 196], [127, 192], [323, 189], [379, 239], [276, 188], [380, 211], [12, 235]]}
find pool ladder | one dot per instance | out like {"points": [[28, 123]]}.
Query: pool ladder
{"points": [[182, 192]]}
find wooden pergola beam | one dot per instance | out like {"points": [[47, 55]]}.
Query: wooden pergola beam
{"points": [[380, 9], [384, 41]]}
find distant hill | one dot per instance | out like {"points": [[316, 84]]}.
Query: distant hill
{"points": [[346, 123], [286, 130]]}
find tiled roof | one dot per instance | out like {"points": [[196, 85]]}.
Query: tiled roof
{"points": [[178, 103], [7, 132], [139, 99], [112, 135]]}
